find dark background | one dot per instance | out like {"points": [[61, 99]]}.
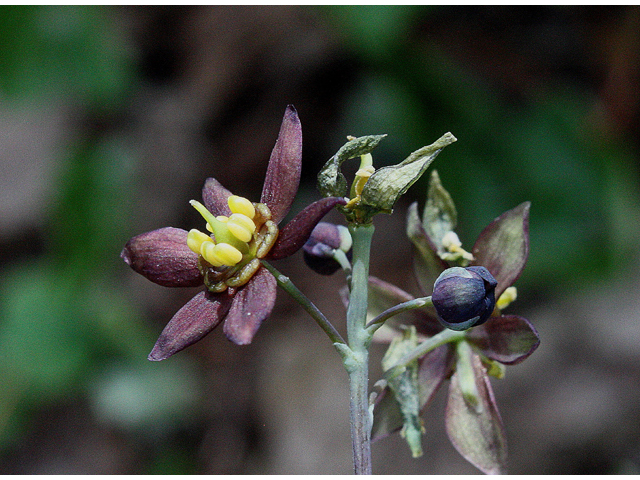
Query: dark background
{"points": [[111, 119]]}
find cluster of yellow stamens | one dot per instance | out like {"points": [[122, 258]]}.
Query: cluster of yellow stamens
{"points": [[232, 234], [231, 254]]}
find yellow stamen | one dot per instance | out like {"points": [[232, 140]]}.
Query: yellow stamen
{"points": [[508, 296], [227, 254], [219, 228], [231, 255], [241, 226], [241, 205], [362, 176], [452, 244], [195, 239], [207, 250], [450, 241], [221, 254]]}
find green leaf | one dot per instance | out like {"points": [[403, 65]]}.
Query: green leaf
{"points": [[331, 182], [387, 184], [405, 389], [439, 216]]}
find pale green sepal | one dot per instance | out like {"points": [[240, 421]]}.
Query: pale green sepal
{"points": [[467, 376], [439, 216], [427, 264], [404, 386], [386, 185], [331, 182]]}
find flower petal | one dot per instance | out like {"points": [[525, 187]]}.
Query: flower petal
{"points": [[508, 339], [214, 197], [435, 366], [251, 306], [163, 257], [427, 263], [478, 436], [503, 246], [295, 233], [191, 323], [283, 174]]}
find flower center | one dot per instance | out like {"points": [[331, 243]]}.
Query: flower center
{"points": [[453, 250], [231, 255]]}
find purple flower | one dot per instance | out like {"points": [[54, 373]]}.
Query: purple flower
{"points": [[326, 242], [472, 419], [464, 297], [239, 291]]}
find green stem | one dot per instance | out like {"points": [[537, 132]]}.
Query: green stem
{"points": [[397, 309], [425, 347], [341, 257], [288, 286], [359, 340]]}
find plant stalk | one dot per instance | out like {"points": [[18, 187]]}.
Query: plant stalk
{"points": [[359, 339]]}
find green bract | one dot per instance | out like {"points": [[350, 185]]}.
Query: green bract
{"points": [[386, 185], [405, 388], [439, 216], [375, 191], [331, 182]]}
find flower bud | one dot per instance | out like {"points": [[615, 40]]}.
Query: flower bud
{"points": [[325, 243], [464, 297]]}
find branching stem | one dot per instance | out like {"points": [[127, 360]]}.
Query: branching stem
{"points": [[288, 286]]}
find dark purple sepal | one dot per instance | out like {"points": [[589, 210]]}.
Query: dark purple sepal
{"points": [[163, 257], [478, 436], [433, 368], [503, 246], [295, 233], [191, 323], [283, 173], [252, 304], [214, 197], [508, 339]]}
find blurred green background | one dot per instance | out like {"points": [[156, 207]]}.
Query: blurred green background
{"points": [[112, 117]]}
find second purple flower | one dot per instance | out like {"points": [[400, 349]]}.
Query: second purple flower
{"points": [[227, 259]]}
